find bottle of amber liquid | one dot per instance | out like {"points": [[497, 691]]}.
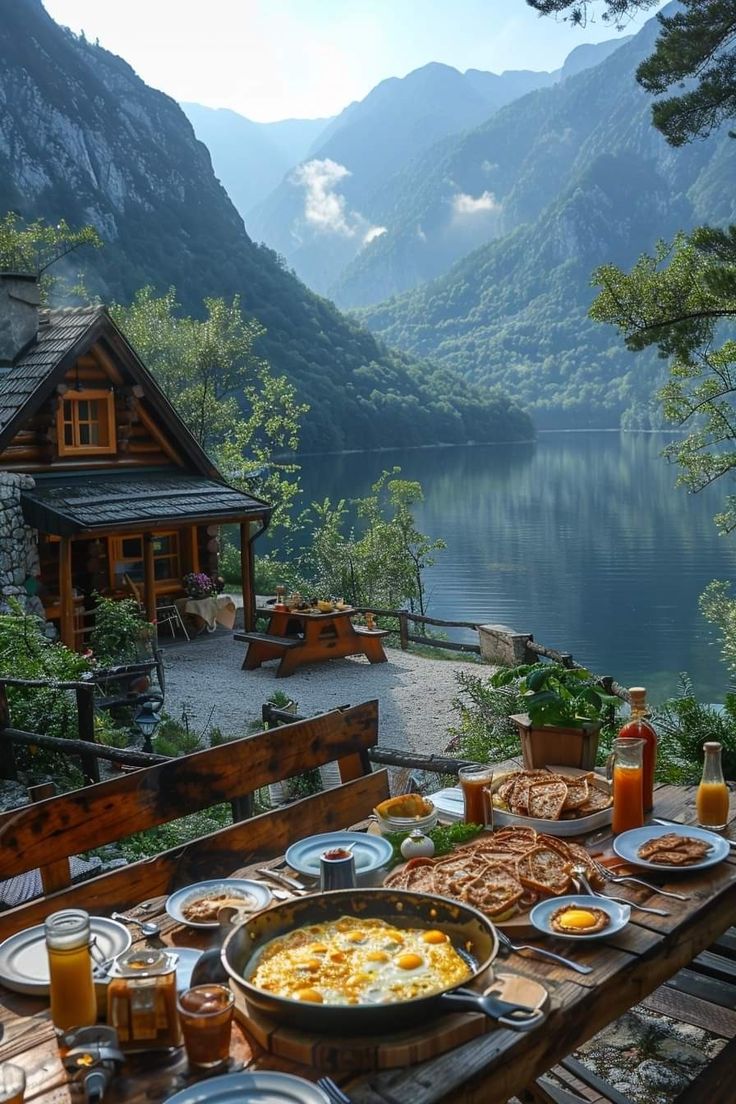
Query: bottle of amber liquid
{"points": [[73, 1000], [711, 801], [639, 728]]}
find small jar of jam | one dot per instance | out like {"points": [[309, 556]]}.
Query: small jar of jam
{"points": [[141, 1001]]}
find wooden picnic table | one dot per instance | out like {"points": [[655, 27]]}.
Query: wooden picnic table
{"points": [[296, 637], [488, 1069]]}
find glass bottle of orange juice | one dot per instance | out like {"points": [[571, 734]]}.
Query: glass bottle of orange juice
{"points": [[711, 801], [73, 1000]]}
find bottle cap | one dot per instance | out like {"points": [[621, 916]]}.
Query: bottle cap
{"points": [[711, 744]]}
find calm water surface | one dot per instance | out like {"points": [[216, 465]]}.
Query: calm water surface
{"points": [[581, 539]]}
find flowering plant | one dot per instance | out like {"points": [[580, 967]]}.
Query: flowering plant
{"points": [[199, 585]]}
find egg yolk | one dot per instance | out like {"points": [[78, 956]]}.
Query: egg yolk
{"points": [[577, 918], [356, 937], [318, 948], [408, 961], [376, 956], [309, 995], [434, 937]]}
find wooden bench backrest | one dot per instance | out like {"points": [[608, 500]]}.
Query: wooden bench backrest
{"points": [[46, 833]]}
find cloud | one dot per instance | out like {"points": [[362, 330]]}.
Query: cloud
{"points": [[324, 208], [373, 233], [464, 204]]}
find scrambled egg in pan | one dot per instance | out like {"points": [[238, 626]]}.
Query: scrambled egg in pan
{"points": [[354, 961]]}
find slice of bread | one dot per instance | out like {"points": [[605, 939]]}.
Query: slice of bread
{"points": [[546, 799], [577, 792]]}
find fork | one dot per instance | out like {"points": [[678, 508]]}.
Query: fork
{"points": [[579, 874], [608, 876], [504, 940], [333, 1091]]}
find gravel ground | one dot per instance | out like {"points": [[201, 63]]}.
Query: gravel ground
{"points": [[414, 693]]}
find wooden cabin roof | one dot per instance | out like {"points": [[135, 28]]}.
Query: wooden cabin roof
{"points": [[91, 501]]}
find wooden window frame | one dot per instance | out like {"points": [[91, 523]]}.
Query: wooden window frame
{"points": [[115, 556], [99, 395]]}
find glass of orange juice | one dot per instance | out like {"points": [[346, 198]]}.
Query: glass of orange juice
{"points": [[73, 999], [626, 765], [712, 800], [12, 1084], [475, 781]]}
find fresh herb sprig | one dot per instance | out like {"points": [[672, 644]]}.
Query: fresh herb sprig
{"points": [[445, 838]]}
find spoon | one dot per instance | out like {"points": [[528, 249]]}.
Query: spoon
{"points": [[580, 874], [148, 927]]}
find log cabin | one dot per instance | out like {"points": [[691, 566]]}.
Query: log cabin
{"points": [[101, 483]]}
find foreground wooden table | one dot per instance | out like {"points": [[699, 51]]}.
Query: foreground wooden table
{"points": [[322, 636], [490, 1069]]}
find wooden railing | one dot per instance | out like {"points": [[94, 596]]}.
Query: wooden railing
{"points": [[405, 617]]}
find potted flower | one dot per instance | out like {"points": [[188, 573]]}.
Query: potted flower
{"points": [[199, 585], [565, 709]]}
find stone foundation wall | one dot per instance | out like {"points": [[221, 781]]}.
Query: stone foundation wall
{"points": [[18, 542]]}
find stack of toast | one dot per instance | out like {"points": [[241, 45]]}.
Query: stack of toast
{"points": [[543, 795]]}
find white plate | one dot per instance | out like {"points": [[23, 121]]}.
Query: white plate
{"points": [[627, 846], [370, 852], [258, 1087], [541, 915], [449, 802], [176, 902], [24, 964]]}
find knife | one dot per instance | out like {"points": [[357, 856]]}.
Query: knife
{"points": [[679, 824], [280, 879]]}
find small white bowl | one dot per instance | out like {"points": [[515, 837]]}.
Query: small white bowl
{"points": [[390, 824]]}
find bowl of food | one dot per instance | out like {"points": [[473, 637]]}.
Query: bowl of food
{"points": [[405, 813], [324, 607], [197, 905]]}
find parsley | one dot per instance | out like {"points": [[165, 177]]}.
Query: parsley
{"points": [[446, 837]]}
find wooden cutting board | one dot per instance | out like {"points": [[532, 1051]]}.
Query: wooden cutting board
{"points": [[399, 1049]]}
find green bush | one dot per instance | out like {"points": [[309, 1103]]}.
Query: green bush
{"points": [[484, 732], [684, 725], [120, 634]]}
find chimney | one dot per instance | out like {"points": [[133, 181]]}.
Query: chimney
{"points": [[19, 303]]}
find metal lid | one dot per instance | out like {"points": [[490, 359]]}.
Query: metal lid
{"points": [[144, 962]]}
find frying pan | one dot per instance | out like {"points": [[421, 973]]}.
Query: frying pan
{"points": [[472, 935]]}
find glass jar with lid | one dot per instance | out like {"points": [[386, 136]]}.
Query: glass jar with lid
{"points": [[141, 1000]]}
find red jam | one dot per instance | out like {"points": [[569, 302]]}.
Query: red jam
{"points": [[337, 853]]}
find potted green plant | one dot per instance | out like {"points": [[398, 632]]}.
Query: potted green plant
{"points": [[565, 709]]}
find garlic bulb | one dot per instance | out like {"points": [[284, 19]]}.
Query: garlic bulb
{"points": [[417, 845]]}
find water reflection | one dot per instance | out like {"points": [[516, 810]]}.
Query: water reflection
{"points": [[581, 539]]}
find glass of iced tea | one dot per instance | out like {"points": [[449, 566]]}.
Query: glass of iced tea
{"points": [[475, 780], [12, 1084], [206, 1016]]}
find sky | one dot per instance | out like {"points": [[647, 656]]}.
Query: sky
{"points": [[276, 59]]}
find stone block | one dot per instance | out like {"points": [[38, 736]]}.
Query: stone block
{"points": [[501, 645]]}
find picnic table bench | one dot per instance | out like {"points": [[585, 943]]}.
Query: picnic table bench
{"points": [[296, 637], [490, 1067]]}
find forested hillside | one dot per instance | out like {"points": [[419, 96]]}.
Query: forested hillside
{"points": [[83, 138], [582, 178]]}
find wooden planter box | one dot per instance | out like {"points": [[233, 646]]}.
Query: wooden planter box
{"points": [[561, 747]]}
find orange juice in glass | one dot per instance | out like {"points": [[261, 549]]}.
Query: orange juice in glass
{"points": [[712, 799], [626, 764], [475, 780], [12, 1084], [73, 1000]]}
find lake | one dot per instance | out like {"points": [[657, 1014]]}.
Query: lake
{"points": [[581, 539]]}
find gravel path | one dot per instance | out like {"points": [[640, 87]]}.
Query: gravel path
{"points": [[414, 693]]}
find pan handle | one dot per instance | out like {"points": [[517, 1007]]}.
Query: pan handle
{"points": [[518, 1017]]}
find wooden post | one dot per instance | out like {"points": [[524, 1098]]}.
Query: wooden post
{"points": [[86, 725], [8, 766], [58, 874], [246, 574], [149, 577], [403, 630], [66, 598]]}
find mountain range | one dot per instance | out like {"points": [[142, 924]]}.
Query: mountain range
{"points": [[83, 138], [329, 208], [578, 177]]}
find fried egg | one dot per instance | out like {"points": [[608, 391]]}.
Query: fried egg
{"points": [[576, 920], [358, 961]]}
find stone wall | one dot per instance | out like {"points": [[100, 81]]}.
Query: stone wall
{"points": [[18, 542]]}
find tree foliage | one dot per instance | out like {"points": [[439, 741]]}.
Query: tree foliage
{"points": [[33, 248], [694, 52], [236, 408]]}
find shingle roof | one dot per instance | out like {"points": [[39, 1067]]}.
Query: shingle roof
{"points": [[90, 501], [60, 330]]}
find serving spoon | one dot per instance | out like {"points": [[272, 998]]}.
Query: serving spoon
{"points": [[148, 927]]}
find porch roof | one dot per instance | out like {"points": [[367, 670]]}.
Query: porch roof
{"points": [[90, 502]]}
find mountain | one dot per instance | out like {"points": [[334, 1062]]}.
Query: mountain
{"points": [[580, 177], [326, 211], [249, 158], [83, 138]]}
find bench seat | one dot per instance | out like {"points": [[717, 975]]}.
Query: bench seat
{"points": [[266, 638]]}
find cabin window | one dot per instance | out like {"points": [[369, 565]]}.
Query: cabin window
{"points": [[86, 423], [127, 559]]}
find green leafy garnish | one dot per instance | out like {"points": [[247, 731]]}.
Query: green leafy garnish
{"points": [[445, 837]]}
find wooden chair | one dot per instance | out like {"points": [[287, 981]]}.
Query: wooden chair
{"points": [[45, 834], [167, 613]]}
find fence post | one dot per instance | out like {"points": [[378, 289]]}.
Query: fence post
{"points": [[86, 715], [403, 630], [8, 766]]}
